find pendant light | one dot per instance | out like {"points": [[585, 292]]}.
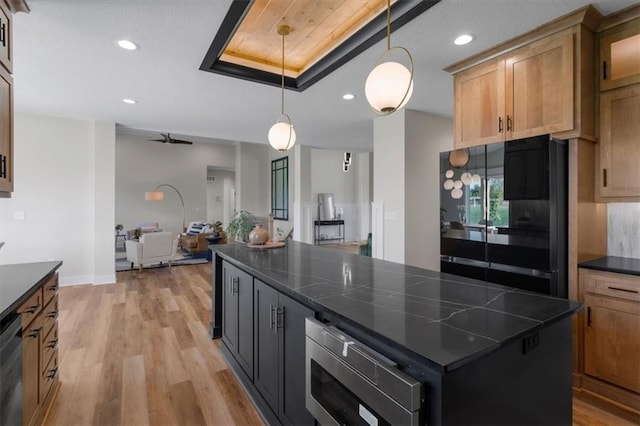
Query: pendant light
{"points": [[389, 85], [282, 136]]}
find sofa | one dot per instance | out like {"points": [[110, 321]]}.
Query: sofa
{"points": [[195, 241]]}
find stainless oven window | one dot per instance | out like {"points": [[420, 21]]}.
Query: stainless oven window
{"points": [[342, 404]]}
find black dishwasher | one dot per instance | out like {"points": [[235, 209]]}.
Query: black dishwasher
{"points": [[11, 371]]}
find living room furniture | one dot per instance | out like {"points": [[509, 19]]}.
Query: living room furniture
{"points": [[198, 244], [318, 237], [153, 247], [142, 228]]}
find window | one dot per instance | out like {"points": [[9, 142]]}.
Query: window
{"points": [[280, 188]]}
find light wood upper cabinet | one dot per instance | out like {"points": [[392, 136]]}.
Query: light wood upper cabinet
{"points": [[527, 92], [479, 105], [6, 47], [620, 55], [539, 91], [619, 174], [6, 132]]}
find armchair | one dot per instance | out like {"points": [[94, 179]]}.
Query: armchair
{"points": [[153, 247], [196, 244]]}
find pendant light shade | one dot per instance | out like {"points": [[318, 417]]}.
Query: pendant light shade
{"points": [[281, 135], [389, 85]]}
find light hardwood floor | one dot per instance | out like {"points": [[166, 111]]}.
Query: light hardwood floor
{"points": [[137, 353]]}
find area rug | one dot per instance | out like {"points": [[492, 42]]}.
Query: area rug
{"points": [[122, 264]]}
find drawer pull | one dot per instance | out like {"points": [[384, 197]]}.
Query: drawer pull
{"points": [[35, 332], [52, 314], [3, 166], [52, 288], [589, 316], [604, 70], [52, 344], [3, 34], [622, 289], [52, 373], [32, 309], [604, 177]]}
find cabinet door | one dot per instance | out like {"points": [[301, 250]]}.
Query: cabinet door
{"points": [[244, 294], [479, 105], [6, 132], [229, 309], [619, 142], [292, 362], [31, 369], [620, 55], [612, 342], [539, 92], [5, 37], [266, 373]]}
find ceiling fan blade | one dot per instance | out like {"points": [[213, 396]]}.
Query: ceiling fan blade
{"points": [[157, 140], [181, 142]]}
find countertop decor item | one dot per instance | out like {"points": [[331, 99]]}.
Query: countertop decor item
{"points": [[267, 245], [240, 226], [258, 235]]}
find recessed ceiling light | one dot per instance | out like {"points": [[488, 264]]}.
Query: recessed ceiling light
{"points": [[348, 96], [126, 44], [463, 39], [129, 101]]}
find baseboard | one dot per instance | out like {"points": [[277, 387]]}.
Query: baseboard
{"points": [[613, 395], [105, 279], [87, 279]]}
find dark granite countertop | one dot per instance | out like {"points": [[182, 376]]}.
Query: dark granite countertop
{"points": [[621, 265], [446, 320], [19, 281]]}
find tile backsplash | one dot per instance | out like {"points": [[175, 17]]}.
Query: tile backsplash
{"points": [[623, 230]]}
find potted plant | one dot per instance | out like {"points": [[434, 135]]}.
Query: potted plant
{"points": [[240, 226], [119, 228], [217, 228]]}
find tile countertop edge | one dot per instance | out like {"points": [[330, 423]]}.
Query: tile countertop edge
{"points": [[439, 367], [30, 289], [618, 265]]}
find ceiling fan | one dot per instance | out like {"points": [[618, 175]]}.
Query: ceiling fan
{"points": [[166, 138]]}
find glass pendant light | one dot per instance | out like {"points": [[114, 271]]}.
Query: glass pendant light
{"points": [[282, 135], [390, 84]]}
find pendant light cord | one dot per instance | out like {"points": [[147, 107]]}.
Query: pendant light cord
{"points": [[282, 103], [388, 25]]}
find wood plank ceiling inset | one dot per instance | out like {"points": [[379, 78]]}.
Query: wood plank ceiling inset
{"points": [[318, 26]]}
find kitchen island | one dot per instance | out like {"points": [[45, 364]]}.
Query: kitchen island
{"points": [[484, 353]]}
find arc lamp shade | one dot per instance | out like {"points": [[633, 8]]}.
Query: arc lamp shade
{"points": [[154, 195]]}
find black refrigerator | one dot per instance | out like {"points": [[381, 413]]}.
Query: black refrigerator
{"points": [[503, 214]]}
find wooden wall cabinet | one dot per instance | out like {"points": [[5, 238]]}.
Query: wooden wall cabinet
{"points": [[6, 101], [611, 338], [40, 375], [527, 92], [6, 41], [617, 174]]}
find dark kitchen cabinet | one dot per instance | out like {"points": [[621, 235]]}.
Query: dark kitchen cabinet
{"points": [[237, 306], [279, 353]]}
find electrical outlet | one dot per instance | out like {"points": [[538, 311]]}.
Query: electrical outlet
{"points": [[531, 342]]}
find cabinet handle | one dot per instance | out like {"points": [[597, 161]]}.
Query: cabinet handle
{"points": [[604, 70], [3, 34], [509, 126], [499, 124], [35, 332], [604, 177], [588, 316], [234, 285], [52, 314], [272, 310], [52, 373], [32, 309], [52, 288], [279, 318], [52, 343], [622, 289], [3, 166]]}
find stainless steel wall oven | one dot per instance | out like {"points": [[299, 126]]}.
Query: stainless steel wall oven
{"points": [[349, 383]]}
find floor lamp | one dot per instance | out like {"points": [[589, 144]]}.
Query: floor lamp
{"points": [[156, 195]]}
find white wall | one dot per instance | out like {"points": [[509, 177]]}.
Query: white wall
{"points": [[219, 202], [142, 165], [63, 180], [252, 186], [426, 136], [389, 183], [623, 229]]}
